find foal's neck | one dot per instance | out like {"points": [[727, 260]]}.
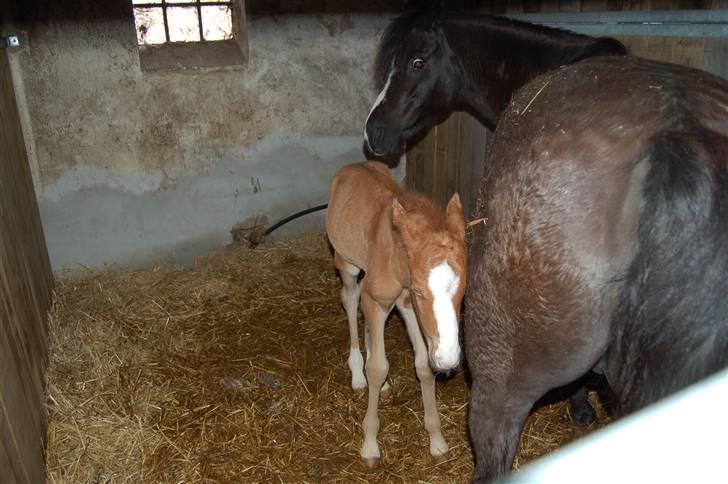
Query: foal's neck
{"points": [[499, 56]]}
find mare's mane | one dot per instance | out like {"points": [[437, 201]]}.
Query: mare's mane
{"points": [[395, 36]]}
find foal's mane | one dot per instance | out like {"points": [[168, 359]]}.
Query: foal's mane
{"points": [[395, 36], [423, 210]]}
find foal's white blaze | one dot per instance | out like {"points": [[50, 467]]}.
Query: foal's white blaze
{"points": [[380, 99], [443, 283]]}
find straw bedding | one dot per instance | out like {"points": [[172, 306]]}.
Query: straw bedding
{"points": [[234, 370]]}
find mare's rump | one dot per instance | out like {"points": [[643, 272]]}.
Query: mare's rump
{"points": [[606, 198]]}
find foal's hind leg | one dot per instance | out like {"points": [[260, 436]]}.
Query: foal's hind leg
{"points": [[377, 368], [438, 446], [350, 292]]}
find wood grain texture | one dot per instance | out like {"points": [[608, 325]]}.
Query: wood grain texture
{"points": [[25, 298]]}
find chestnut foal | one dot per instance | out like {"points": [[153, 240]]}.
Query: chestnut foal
{"points": [[413, 255]]}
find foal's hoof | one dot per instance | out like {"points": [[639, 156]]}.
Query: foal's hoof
{"points": [[371, 462], [386, 391], [439, 458]]}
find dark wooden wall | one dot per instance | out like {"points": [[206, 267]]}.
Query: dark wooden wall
{"points": [[25, 298], [536, 6]]}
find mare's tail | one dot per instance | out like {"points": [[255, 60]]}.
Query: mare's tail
{"points": [[671, 328]]}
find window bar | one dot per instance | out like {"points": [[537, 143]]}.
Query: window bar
{"points": [[221, 3], [166, 24], [199, 18]]}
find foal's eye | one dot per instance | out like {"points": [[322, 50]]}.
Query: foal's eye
{"points": [[418, 64]]}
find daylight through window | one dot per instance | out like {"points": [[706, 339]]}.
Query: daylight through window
{"points": [[163, 21]]}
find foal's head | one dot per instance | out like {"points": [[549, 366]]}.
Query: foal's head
{"points": [[435, 246], [419, 77]]}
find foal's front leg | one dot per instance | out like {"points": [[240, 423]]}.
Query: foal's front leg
{"points": [[350, 292], [438, 446], [377, 367]]}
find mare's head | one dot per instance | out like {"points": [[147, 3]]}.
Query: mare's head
{"points": [[429, 64], [419, 77], [435, 246]]}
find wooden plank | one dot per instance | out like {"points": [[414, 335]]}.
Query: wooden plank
{"points": [[454, 157], [514, 6], [498, 7], [660, 48], [5, 461], [594, 5], [688, 52], [440, 186], [569, 5], [715, 57], [531, 6], [419, 179], [638, 45], [549, 6], [665, 5], [466, 155], [428, 161], [410, 171], [25, 283], [614, 5]]}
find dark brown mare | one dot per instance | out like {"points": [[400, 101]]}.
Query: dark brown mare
{"points": [[606, 194], [433, 65]]}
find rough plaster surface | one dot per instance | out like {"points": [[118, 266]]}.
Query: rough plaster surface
{"points": [[137, 168], [195, 217]]}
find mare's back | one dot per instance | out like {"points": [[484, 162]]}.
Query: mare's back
{"points": [[360, 199]]}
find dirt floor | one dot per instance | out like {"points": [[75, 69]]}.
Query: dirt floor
{"points": [[234, 370]]}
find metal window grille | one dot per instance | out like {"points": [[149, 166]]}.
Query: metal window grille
{"points": [[165, 5]]}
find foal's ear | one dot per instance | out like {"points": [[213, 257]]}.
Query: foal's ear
{"points": [[400, 220], [399, 214], [455, 218]]}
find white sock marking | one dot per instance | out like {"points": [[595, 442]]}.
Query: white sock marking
{"points": [[443, 284], [380, 100], [356, 365]]}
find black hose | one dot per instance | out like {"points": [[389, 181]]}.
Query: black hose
{"points": [[294, 216]]}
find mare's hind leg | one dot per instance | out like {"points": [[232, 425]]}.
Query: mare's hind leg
{"points": [[496, 419], [377, 368], [438, 446], [581, 410], [350, 292]]}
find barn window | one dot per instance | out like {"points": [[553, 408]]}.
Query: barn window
{"points": [[179, 34]]}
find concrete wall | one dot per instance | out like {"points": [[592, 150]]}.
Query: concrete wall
{"points": [[137, 168]]}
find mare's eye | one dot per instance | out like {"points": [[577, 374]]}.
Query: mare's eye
{"points": [[418, 64]]}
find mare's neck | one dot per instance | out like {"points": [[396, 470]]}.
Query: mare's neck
{"points": [[499, 56]]}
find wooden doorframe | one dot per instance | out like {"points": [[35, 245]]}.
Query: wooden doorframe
{"points": [[25, 299]]}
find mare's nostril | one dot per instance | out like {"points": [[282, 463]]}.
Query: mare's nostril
{"points": [[378, 134]]}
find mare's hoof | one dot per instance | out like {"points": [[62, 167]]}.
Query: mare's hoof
{"points": [[371, 462], [583, 414]]}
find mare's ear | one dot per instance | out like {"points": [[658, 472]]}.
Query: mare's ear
{"points": [[455, 218], [401, 220]]}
